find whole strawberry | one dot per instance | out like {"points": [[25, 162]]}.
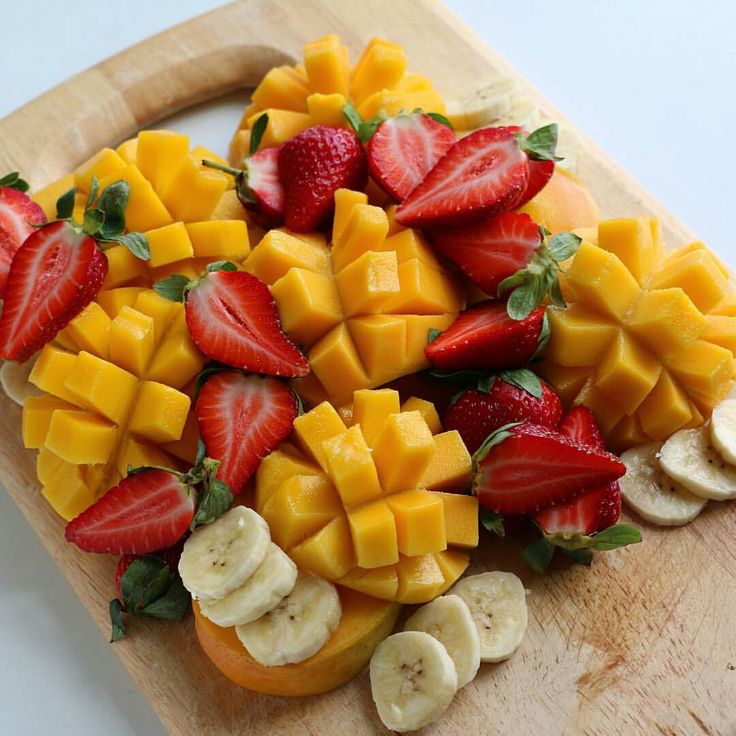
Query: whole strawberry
{"points": [[313, 165], [518, 396]]}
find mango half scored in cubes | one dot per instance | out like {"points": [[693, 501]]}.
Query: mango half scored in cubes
{"points": [[115, 395], [647, 341], [363, 308], [354, 505]]}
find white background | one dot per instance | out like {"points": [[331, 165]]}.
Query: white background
{"points": [[651, 80]]}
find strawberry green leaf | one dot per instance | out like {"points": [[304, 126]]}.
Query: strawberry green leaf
{"points": [[221, 266], [352, 116], [616, 536], [511, 282], [172, 605], [432, 335], [563, 246], [485, 384], [92, 222], [214, 502], [136, 243], [579, 556], [112, 203], [65, 205], [492, 522], [13, 181], [256, 134], [437, 117], [524, 379], [543, 339], [538, 554], [94, 188], [116, 620], [541, 144], [173, 288], [526, 298], [144, 581], [201, 452], [555, 294]]}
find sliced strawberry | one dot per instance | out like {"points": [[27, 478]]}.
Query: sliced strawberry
{"points": [[483, 174], [492, 250], [484, 336], [241, 419], [528, 467], [18, 215], [594, 510], [55, 274], [477, 413], [313, 165], [232, 318], [148, 511], [540, 171], [404, 149]]}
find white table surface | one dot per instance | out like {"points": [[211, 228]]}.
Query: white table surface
{"points": [[651, 81]]}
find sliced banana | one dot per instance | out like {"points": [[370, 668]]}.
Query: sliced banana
{"points": [[689, 457], [413, 680], [260, 593], [497, 603], [654, 496], [448, 620], [298, 627], [482, 104], [723, 430], [14, 380], [219, 557]]}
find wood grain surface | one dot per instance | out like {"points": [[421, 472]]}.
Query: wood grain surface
{"points": [[642, 643]]}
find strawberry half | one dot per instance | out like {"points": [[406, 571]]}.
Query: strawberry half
{"points": [[483, 174], [492, 250], [18, 216], [514, 396], [147, 511], [522, 469], [55, 274], [404, 149], [594, 510], [484, 336], [313, 165], [540, 170], [258, 184], [241, 419], [232, 318]]}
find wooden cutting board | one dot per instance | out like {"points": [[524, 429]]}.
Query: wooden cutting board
{"points": [[642, 643]]}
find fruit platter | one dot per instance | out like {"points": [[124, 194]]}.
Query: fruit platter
{"points": [[405, 410]]}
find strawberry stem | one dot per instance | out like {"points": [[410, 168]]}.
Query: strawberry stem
{"points": [[222, 167]]}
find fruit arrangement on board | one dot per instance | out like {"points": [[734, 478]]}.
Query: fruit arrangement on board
{"points": [[293, 391]]}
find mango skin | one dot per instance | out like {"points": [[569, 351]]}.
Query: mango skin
{"points": [[365, 623]]}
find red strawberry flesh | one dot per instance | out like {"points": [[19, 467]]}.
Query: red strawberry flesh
{"points": [[483, 174], [148, 511], [232, 318], [313, 165], [492, 250], [55, 274], [536, 467], [18, 214], [241, 419], [265, 186], [484, 336], [404, 149]]}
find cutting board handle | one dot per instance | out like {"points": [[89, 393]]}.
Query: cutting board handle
{"points": [[109, 102]]}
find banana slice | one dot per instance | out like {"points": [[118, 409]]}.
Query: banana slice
{"points": [[482, 104], [723, 430], [298, 627], [262, 592], [14, 380], [688, 457], [497, 603], [219, 557], [413, 680], [653, 495], [448, 620]]}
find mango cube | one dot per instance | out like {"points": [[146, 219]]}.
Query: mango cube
{"points": [[636, 241], [326, 64], [704, 368], [327, 109], [365, 230], [159, 154], [89, 330], [160, 412], [381, 341], [461, 519], [102, 165], [368, 283], [169, 244], [380, 582], [225, 239], [428, 411], [374, 532], [50, 371], [329, 553], [123, 268], [275, 469], [193, 191], [282, 87], [345, 202], [581, 336], [37, 414], [420, 522], [282, 125], [278, 252], [450, 468], [381, 66], [420, 579], [372, 408], [80, 437], [665, 410], [316, 426], [132, 340]]}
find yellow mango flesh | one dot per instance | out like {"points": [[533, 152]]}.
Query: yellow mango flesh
{"points": [[648, 340], [329, 506]]}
